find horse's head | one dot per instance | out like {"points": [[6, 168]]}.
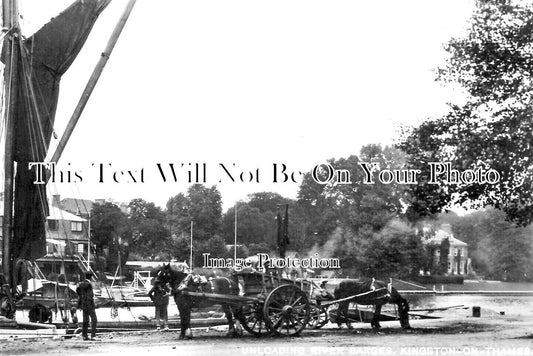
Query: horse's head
{"points": [[169, 274]]}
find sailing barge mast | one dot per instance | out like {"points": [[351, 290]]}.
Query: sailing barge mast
{"points": [[11, 31], [33, 69]]}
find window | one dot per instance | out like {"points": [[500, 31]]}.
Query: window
{"points": [[52, 224], [80, 248], [76, 226], [455, 251]]}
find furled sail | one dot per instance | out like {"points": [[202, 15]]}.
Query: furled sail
{"points": [[44, 58]]}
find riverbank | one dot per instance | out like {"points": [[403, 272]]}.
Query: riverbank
{"points": [[490, 335]]}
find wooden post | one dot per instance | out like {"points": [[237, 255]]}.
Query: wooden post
{"points": [[190, 258], [235, 246], [92, 81]]}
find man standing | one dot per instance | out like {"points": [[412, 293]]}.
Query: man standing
{"points": [[159, 296], [86, 303]]}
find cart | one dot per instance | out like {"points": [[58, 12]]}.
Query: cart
{"points": [[272, 305]]}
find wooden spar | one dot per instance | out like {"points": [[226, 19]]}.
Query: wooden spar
{"points": [[226, 298], [352, 297], [92, 81], [10, 23], [439, 309]]}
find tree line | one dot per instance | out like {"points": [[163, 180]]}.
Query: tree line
{"points": [[376, 229], [368, 227]]}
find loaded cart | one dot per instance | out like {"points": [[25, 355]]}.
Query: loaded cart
{"points": [[274, 305]]}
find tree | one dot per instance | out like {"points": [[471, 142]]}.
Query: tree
{"points": [[205, 210], [202, 206], [396, 251], [357, 205], [253, 225], [177, 215], [318, 209], [355, 221], [109, 227], [148, 232], [511, 256], [266, 201], [257, 226], [443, 256], [180, 248], [492, 128]]}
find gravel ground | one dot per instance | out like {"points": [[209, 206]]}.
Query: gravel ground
{"points": [[502, 335]]}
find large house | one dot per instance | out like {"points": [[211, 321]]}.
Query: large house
{"points": [[458, 261]]}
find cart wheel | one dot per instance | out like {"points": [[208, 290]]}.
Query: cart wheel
{"points": [[318, 317], [286, 310], [252, 319]]}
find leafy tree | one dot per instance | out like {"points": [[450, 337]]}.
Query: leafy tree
{"points": [[202, 206], [180, 248], [355, 221], [205, 209], [318, 209], [431, 261], [177, 215], [149, 235], [261, 247], [266, 201], [216, 247], [253, 225], [109, 227], [357, 206], [396, 251], [443, 256], [511, 256], [493, 65], [257, 226]]}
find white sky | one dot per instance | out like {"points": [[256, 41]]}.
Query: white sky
{"points": [[251, 83]]}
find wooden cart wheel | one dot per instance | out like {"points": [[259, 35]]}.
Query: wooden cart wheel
{"points": [[252, 319], [286, 310], [318, 317]]}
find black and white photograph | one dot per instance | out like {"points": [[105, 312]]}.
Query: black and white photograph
{"points": [[250, 177]]}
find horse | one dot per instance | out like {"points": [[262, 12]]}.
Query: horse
{"points": [[180, 281], [352, 287]]}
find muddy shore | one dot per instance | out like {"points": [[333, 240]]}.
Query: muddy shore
{"points": [[501, 335]]}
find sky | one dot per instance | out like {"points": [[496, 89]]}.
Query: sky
{"points": [[246, 84]]}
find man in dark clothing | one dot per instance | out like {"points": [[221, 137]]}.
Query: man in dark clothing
{"points": [[159, 295], [86, 303]]}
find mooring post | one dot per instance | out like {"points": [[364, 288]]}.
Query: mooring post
{"points": [[476, 312]]}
